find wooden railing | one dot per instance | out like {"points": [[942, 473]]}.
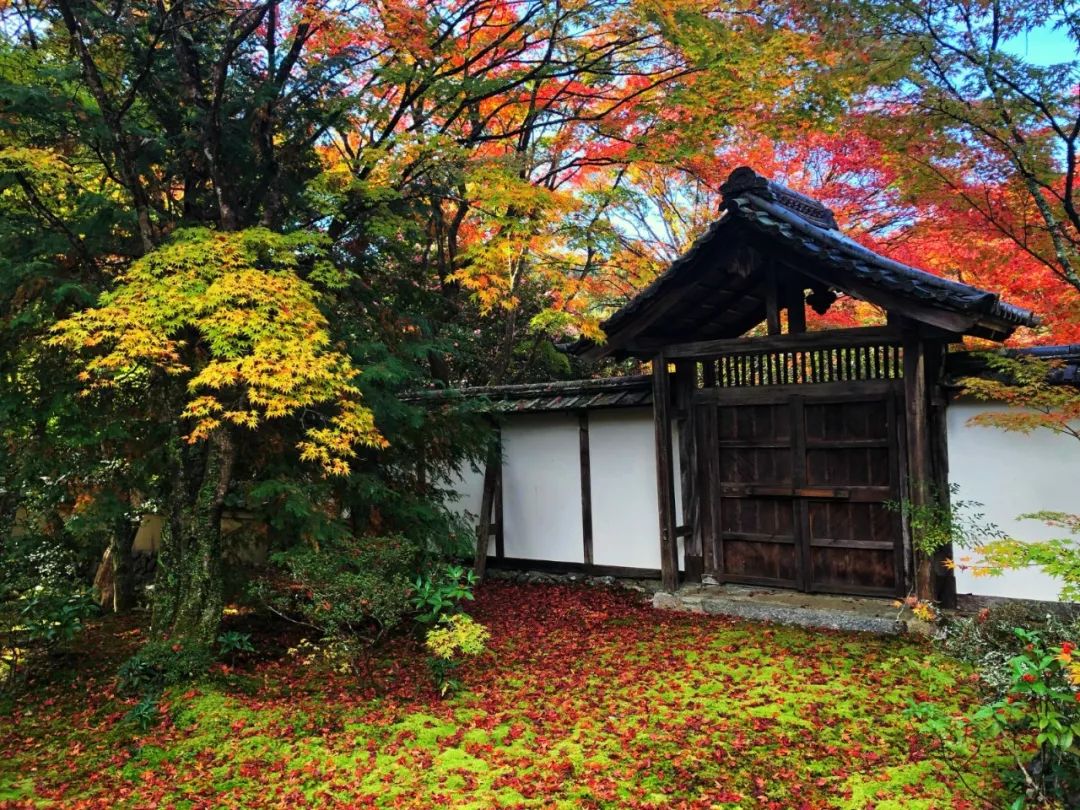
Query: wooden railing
{"points": [[837, 364], [842, 355]]}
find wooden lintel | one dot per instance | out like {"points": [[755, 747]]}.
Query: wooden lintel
{"points": [[857, 336], [665, 480], [762, 394]]}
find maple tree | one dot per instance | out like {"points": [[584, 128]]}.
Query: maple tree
{"points": [[225, 326], [164, 174], [1005, 127], [507, 132]]}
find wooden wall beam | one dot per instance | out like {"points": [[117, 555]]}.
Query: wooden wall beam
{"points": [[586, 487], [772, 300], [709, 494], [500, 538], [665, 480], [944, 585], [492, 476]]}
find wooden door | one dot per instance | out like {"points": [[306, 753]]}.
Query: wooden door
{"points": [[798, 487]]}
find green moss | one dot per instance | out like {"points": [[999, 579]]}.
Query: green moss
{"points": [[884, 790], [677, 713], [16, 789], [454, 759]]}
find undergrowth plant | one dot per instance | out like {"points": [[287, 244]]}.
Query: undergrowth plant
{"points": [[1034, 716], [232, 642], [441, 591], [162, 663], [453, 638], [944, 520], [347, 587]]}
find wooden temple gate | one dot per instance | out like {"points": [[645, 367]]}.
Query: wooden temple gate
{"points": [[793, 453], [797, 452], [798, 447]]}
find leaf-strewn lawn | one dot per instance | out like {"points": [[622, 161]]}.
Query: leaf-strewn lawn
{"points": [[589, 698]]}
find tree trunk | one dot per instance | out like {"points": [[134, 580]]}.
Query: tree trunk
{"points": [[115, 581], [924, 579], [123, 538], [188, 591]]}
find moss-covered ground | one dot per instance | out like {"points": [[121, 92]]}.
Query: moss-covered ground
{"points": [[587, 698]]}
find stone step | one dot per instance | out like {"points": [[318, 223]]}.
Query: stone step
{"points": [[780, 613]]}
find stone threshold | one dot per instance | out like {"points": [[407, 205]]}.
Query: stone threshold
{"points": [[852, 613]]}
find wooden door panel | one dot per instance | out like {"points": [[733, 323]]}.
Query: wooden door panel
{"points": [[841, 466], [767, 517], [753, 422], [853, 570], [842, 421], [848, 521], [797, 491], [763, 465], [761, 562]]}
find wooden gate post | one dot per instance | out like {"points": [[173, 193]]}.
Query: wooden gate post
{"points": [[916, 417], [685, 385], [665, 480]]}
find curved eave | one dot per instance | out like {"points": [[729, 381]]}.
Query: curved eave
{"points": [[840, 262]]}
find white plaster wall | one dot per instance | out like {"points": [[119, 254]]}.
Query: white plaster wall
{"points": [[542, 487], [623, 476], [1011, 474], [467, 484]]}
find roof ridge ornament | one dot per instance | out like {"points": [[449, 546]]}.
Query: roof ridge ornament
{"points": [[745, 180]]}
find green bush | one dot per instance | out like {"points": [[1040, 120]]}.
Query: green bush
{"points": [[351, 587], [162, 663], [989, 641], [43, 604], [1034, 716]]}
